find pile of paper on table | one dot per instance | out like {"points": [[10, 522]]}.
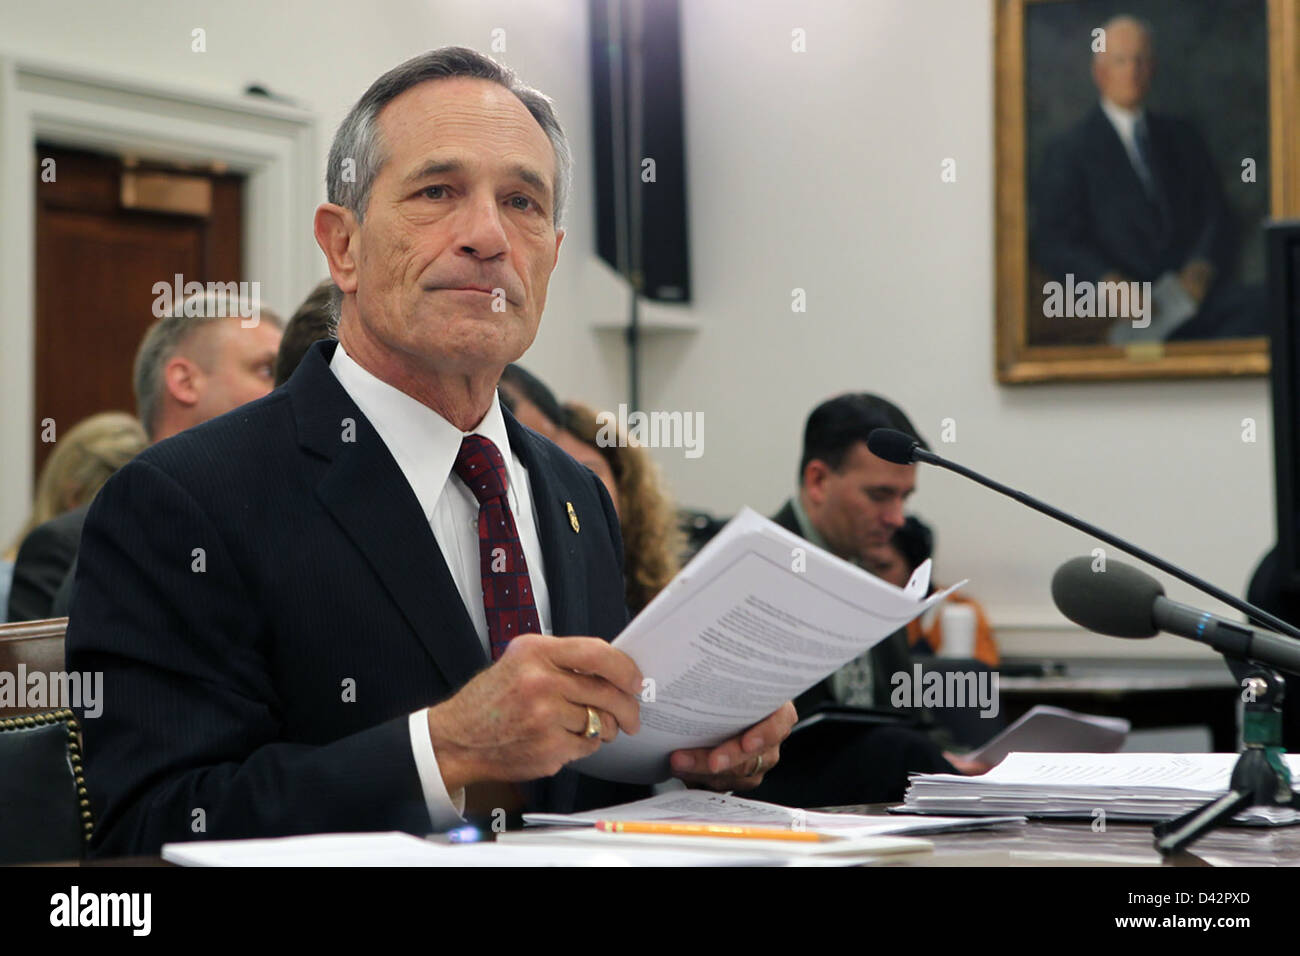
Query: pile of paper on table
{"points": [[1128, 786]]}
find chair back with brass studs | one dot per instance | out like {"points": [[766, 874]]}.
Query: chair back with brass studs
{"points": [[45, 811]]}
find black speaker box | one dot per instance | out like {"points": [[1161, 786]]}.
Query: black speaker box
{"points": [[636, 95]]}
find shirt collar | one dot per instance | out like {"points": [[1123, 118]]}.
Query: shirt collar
{"points": [[806, 528], [1124, 120], [422, 442]]}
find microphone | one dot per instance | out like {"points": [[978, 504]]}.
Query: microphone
{"points": [[902, 449], [893, 445], [1124, 602]]}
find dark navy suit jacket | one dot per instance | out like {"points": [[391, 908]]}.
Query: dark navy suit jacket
{"points": [[268, 604], [1092, 214]]}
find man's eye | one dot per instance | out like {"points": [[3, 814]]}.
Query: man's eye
{"points": [[525, 199], [430, 189]]}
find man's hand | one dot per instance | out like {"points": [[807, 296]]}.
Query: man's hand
{"points": [[967, 766], [524, 716], [735, 764]]}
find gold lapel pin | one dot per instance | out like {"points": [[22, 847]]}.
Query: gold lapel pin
{"points": [[573, 516]]}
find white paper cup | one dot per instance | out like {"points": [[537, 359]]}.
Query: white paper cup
{"points": [[958, 628]]}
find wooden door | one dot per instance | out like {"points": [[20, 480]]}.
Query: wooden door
{"points": [[97, 260]]}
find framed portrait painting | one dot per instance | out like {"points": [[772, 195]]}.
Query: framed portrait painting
{"points": [[1142, 145]]}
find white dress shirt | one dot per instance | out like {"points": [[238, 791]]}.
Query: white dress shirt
{"points": [[425, 446]]}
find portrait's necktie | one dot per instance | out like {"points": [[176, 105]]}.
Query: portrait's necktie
{"points": [[1147, 173], [507, 590], [1142, 142]]}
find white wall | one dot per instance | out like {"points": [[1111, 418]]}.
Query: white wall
{"points": [[820, 171]]}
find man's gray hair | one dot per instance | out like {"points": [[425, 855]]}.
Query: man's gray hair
{"points": [[165, 337], [358, 137]]}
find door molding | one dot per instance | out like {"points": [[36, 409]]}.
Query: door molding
{"points": [[272, 145]]}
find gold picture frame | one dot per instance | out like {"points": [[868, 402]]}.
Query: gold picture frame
{"points": [[1017, 359]]}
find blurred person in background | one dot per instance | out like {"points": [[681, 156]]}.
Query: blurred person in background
{"points": [[531, 402], [850, 503], [652, 540], [193, 365], [43, 550], [201, 362], [314, 320]]}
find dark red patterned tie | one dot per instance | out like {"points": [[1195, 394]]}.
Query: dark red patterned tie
{"points": [[507, 591]]}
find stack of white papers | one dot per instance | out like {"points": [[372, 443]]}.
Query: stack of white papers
{"points": [[1122, 786], [756, 618]]}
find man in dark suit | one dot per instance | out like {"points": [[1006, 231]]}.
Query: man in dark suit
{"points": [[338, 608], [1129, 195], [850, 503]]}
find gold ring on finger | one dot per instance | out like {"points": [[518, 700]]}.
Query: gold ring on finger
{"points": [[593, 724]]}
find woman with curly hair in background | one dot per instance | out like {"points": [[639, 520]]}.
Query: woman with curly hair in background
{"points": [[652, 542]]}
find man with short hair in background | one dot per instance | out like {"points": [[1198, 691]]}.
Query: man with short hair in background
{"points": [[192, 365], [850, 503], [202, 361]]}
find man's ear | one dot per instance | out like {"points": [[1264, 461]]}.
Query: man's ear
{"points": [[814, 480], [336, 229], [559, 238], [181, 378]]}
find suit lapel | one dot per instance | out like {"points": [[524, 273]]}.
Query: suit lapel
{"points": [[560, 551], [1149, 210], [1156, 160], [366, 492]]}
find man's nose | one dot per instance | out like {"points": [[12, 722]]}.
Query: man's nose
{"points": [[893, 515], [481, 232]]}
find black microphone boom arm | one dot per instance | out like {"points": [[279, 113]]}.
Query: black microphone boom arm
{"points": [[1251, 611]]}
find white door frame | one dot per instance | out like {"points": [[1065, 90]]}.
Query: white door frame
{"points": [[273, 145]]}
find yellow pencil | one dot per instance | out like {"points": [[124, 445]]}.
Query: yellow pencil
{"points": [[707, 829]]}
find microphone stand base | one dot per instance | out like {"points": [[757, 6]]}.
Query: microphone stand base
{"points": [[1261, 777]]}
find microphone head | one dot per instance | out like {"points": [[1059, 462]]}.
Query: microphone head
{"points": [[1117, 601], [892, 445]]}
